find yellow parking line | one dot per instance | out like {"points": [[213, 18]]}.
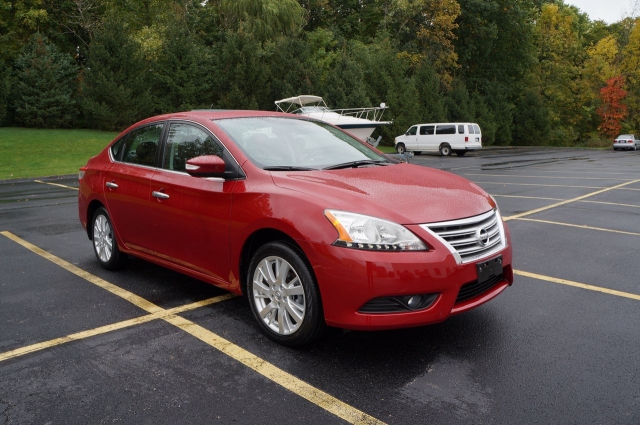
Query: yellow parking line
{"points": [[526, 197], [611, 203], [57, 184], [559, 199], [266, 369], [545, 177], [579, 198], [581, 226], [109, 328], [138, 301], [277, 375], [539, 185], [578, 285]]}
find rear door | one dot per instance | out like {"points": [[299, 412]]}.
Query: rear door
{"points": [[191, 215], [127, 186]]}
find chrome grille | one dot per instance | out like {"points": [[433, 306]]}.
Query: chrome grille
{"points": [[470, 239]]}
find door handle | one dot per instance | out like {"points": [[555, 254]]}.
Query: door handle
{"points": [[159, 195], [112, 185]]}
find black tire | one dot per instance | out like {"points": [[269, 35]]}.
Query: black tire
{"points": [[417, 152], [445, 149], [461, 153], [105, 245], [400, 148], [273, 298]]}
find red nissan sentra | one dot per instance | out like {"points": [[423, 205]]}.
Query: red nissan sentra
{"points": [[314, 226]]}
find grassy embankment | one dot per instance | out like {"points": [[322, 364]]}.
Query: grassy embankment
{"points": [[28, 152]]}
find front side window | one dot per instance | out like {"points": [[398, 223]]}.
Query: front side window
{"points": [[412, 131], [446, 129], [285, 142], [117, 148], [426, 130], [185, 142], [141, 146]]}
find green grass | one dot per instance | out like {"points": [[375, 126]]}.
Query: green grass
{"points": [[27, 152], [386, 149]]}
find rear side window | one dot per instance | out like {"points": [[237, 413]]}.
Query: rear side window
{"points": [[446, 129], [412, 131], [142, 145], [185, 142], [461, 129], [426, 130], [476, 127], [471, 129]]}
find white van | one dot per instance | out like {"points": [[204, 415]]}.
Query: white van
{"points": [[441, 137]]}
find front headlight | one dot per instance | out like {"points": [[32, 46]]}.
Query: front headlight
{"points": [[363, 232]]}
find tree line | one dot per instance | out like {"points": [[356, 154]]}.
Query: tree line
{"points": [[530, 72]]}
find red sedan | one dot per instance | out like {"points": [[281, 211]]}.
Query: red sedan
{"points": [[314, 226]]}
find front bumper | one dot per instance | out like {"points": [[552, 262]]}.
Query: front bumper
{"points": [[350, 278]]}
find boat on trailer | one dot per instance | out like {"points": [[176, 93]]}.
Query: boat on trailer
{"points": [[360, 122]]}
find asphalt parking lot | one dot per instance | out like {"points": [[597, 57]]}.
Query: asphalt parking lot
{"points": [[79, 344]]}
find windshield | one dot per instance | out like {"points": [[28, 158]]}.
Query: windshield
{"points": [[293, 143], [310, 109]]}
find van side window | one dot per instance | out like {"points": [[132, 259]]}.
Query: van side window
{"points": [[446, 129], [471, 129], [412, 131], [461, 129], [426, 130], [477, 128]]}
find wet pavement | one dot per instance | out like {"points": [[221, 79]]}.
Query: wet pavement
{"points": [[562, 345]]}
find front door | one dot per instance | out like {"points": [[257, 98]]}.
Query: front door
{"points": [[191, 215]]}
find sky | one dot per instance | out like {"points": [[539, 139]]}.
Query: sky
{"points": [[607, 10]]}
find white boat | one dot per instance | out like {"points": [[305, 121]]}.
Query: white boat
{"points": [[360, 122]]}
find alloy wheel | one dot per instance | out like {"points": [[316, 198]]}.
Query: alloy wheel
{"points": [[103, 238], [278, 295]]}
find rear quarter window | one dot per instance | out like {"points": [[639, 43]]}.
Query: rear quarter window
{"points": [[446, 129], [117, 148], [461, 129]]}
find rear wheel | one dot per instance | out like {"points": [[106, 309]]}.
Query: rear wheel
{"points": [[400, 148], [445, 149], [283, 295], [461, 153], [105, 245]]}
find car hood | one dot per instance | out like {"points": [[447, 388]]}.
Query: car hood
{"points": [[404, 193]]}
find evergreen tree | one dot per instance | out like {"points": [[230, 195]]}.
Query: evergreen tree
{"points": [[43, 86], [4, 92], [431, 99], [117, 90], [458, 103], [531, 120], [182, 75]]}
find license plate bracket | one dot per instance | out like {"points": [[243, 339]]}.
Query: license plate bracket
{"points": [[489, 269]]}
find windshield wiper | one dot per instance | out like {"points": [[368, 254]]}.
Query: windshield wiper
{"points": [[355, 164], [288, 168]]}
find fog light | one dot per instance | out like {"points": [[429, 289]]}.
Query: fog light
{"points": [[414, 301]]}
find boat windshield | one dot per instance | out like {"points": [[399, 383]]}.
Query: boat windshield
{"points": [[292, 143], [311, 109]]}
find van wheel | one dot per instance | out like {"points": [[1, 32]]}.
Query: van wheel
{"points": [[400, 148], [445, 149], [461, 153]]}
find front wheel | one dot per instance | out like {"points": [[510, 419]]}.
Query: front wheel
{"points": [[445, 149], [400, 148], [105, 245], [283, 295]]}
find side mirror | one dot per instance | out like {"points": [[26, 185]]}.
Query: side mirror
{"points": [[205, 166]]}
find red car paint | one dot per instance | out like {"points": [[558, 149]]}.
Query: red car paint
{"points": [[202, 229]]}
